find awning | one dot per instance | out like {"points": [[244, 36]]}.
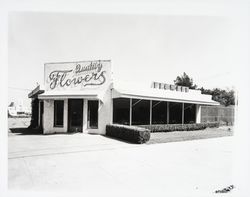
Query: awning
{"points": [[86, 94], [193, 96], [34, 93]]}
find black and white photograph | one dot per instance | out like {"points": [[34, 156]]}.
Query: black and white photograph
{"points": [[125, 98]]}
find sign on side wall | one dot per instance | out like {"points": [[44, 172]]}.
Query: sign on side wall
{"points": [[77, 75], [165, 86]]}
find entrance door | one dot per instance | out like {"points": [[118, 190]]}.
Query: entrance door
{"points": [[75, 115]]}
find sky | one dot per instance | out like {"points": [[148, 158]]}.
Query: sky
{"points": [[142, 48]]}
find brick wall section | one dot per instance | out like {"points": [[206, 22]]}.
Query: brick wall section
{"points": [[222, 114]]}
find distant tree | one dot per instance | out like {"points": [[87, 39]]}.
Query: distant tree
{"points": [[224, 97], [12, 104], [185, 80]]}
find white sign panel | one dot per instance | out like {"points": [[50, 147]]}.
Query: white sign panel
{"points": [[165, 86], [77, 75]]}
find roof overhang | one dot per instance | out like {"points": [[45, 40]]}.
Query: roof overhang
{"points": [[34, 93], [72, 95], [161, 95]]}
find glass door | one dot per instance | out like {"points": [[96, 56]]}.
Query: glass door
{"points": [[75, 115]]}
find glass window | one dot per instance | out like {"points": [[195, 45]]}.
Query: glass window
{"points": [[175, 113], [121, 111], [58, 113], [189, 113], [140, 112], [159, 112], [93, 114]]}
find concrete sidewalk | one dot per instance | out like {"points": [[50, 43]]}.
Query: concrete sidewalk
{"points": [[41, 145], [96, 165]]}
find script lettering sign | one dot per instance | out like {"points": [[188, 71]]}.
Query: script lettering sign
{"points": [[77, 75]]}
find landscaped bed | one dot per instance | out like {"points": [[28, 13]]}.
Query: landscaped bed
{"points": [[180, 127], [151, 134], [164, 137]]}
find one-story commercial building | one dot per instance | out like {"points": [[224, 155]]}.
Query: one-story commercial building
{"points": [[81, 97]]}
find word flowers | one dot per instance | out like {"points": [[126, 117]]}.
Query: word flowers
{"points": [[89, 75]]}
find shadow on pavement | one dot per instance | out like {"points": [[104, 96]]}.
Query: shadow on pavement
{"points": [[25, 131], [121, 140]]}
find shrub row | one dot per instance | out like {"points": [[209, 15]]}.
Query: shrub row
{"points": [[132, 134], [180, 127]]}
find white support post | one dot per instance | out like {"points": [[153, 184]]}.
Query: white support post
{"points": [[150, 113], [130, 111], [182, 118], [198, 113], [85, 116], [65, 115], [167, 112]]}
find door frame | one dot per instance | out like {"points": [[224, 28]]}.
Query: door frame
{"points": [[69, 127]]}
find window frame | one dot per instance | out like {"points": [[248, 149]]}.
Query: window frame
{"points": [[88, 116], [55, 113], [115, 103]]}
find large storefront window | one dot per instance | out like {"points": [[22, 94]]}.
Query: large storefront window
{"points": [[140, 112], [189, 113], [93, 114], [121, 107], [159, 112], [175, 113], [58, 113]]}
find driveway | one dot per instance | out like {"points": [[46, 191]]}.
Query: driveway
{"points": [[97, 165]]}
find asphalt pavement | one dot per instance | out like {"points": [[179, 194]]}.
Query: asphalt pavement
{"points": [[97, 165]]}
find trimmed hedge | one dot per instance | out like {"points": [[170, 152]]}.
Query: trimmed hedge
{"points": [[132, 134], [180, 127]]}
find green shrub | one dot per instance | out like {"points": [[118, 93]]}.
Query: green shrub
{"points": [[180, 127], [132, 134]]}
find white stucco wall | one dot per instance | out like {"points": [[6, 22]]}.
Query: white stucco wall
{"points": [[104, 115], [49, 117]]}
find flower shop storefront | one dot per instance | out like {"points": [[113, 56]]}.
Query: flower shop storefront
{"points": [[81, 97]]}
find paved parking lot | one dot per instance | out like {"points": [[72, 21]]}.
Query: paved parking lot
{"points": [[94, 164]]}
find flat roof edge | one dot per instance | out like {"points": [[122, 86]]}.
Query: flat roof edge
{"points": [[166, 99], [106, 60]]}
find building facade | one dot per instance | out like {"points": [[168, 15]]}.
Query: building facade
{"points": [[81, 97]]}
